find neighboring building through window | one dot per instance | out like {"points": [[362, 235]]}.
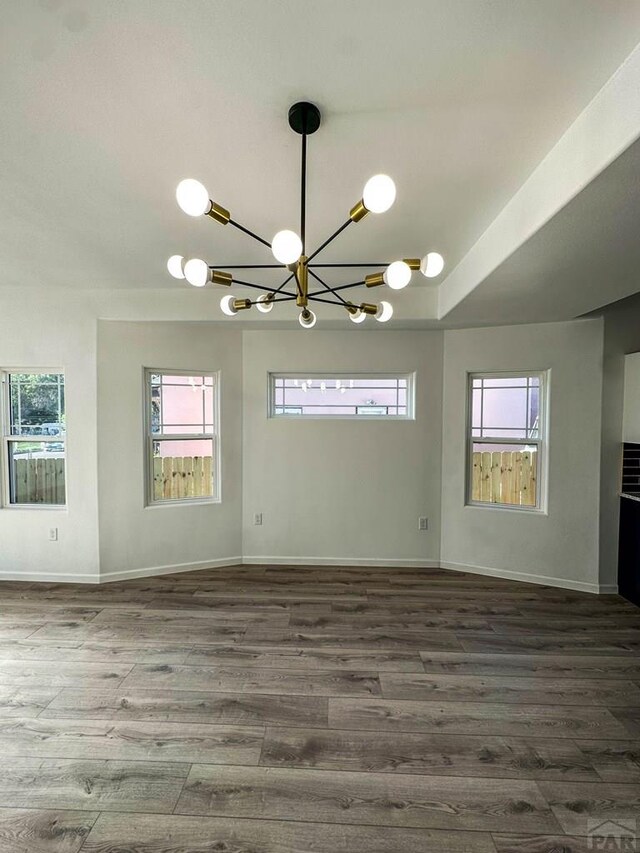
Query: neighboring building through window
{"points": [[506, 439], [183, 450], [34, 438], [334, 395]]}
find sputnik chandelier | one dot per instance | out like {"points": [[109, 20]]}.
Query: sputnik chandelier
{"points": [[290, 250]]}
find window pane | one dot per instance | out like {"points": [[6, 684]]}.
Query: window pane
{"points": [[36, 404], [341, 396], [183, 468], [36, 472], [504, 474], [181, 404]]}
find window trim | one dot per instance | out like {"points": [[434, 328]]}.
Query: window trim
{"points": [[6, 439], [409, 376], [149, 438], [541, 443]]}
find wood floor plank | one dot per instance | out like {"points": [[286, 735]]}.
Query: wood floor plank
{"points": [[130, 741], [602, 667], [41, 673], [241, 709], [177, 617], [489, 718], [614, 761], [388, 622], [18, 612], [491, 688], [576, 804], [608, 643], [73, 651], [380, 799], [630, 719], [430, 754], [252, 680], [123, 786], [366, 638], [24, 701], [114, 833], [279, 657], [32, 831], [516, 843], [196, 631]]}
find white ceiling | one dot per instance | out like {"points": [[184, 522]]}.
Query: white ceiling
{"points": [[107, 105]]}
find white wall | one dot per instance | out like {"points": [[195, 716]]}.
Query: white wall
{"points": [[337, 490], [134, 537], [560, 547], [42, 334]]}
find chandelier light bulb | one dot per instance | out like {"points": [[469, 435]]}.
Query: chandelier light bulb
{"points": [[193, 198], [432, 264], [397, 275], [385, 312], [264, 303], [196, 272], [286, 247], [226, 304], [379, 193], [175, 265], [358, 317], [307, 319]]}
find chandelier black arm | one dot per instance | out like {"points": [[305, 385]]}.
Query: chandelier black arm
{"points": [[313, 298], [330, 239], [245, 266], [250, 233], [341, 287], [326, 286], [288, 298], [286, 281], [345, 266], [260, 287]]}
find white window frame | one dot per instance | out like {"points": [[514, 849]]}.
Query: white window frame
{"points": [[150, 437], [7, 439], [541, 442], [410, 378]]}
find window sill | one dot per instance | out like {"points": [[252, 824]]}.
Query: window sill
{"points": [[183, 502], [47, 507], [525, 510]]}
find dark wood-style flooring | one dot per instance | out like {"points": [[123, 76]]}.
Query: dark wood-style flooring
{"points": [[333, 710]]}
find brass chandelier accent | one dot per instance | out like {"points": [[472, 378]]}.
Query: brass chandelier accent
{"points": [[289, 249]]}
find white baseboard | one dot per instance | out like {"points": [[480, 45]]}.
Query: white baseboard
{"points": [[262, 560], [349, 562], [540, 580], [152, 571], [48, 577]]}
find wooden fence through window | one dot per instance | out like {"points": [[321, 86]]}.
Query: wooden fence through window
{"points": [[176, 477], [504, 477], [39, 481]]}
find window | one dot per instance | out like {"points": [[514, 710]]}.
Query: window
{"points": [[505, 439], [182, 436], [33, 418], [338, 395]]}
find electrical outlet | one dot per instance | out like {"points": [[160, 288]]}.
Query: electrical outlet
{"points": [[257, 518], [53, 534], [423, 523]]}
